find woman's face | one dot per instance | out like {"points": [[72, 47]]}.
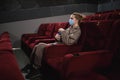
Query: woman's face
{"points": [[74, 19]]}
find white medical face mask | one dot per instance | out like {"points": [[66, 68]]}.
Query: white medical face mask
{"points": [[71, 22]]}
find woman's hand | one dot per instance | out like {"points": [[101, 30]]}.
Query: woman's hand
{"points": [[57, 36], [61, 30]]}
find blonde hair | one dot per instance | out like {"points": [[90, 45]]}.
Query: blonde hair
{"points": [[78, 16]]}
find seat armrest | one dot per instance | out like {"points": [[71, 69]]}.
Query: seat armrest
{"points": [[86, 61], [60, 50], [6, 40], [26, 36], [44, 40], [79, 62], [32, 39], [29, 34]]}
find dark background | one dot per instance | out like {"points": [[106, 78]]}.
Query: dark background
{"points": [[15, 10]]}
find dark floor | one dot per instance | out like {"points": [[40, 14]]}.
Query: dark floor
{"points": [[22, 60]]}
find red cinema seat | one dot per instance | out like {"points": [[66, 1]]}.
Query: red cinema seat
{"points": [[51, 40], [99, 36], [9, 69], [81, 65], [47, 33]]}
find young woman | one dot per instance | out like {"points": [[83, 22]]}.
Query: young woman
{"points": [[69, 36]]}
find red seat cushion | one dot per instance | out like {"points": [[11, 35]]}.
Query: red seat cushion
{"points": [[9, 69], [6, 46], [99, 35]]}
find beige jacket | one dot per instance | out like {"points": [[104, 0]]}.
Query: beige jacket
{"points": [[70, 35]]}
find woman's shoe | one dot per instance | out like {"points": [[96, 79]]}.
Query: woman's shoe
{"points": [[33, 74], [26, 69]]}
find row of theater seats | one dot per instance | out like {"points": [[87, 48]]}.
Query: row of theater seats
{"points": [[97, 49], [9, 69], [46, 32], [107, 15]]}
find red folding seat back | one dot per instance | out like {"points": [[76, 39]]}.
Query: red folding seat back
{"points": [[5, 43], [113, 40], [41, 32], [63, 25], [106, 29], [98, 36], [87, 18], [46, 33], [110, 31], [6, 46], [114, 44], [117, 10], [49, 30], [104, 16], [96, 17], [114, 16], [4, 36], [42, 28], [91, 29], [5, 33]]}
